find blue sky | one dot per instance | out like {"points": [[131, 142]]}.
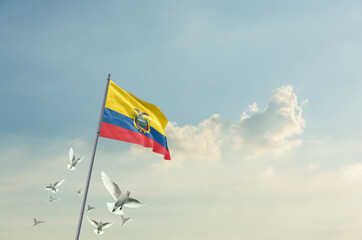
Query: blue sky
{"points": [[263, 100]]}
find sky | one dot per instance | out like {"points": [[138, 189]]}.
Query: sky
{"points": [[262, 99]]}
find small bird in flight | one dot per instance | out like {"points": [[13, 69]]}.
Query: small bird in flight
{"points": [[73, 160], [124, 220], [79, 192], [36, 222], [89, 208], [52, 199], [99, 226], [53, 187]]}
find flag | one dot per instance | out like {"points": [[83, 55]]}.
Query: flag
{"points": [[128, 118]]}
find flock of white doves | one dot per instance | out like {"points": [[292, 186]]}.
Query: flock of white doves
{"points": [[121, 199]]}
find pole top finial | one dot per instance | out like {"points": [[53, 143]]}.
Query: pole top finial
{"points": [[109, 77]]}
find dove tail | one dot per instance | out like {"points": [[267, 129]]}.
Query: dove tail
{"points": [[117, 212], [98, 233], [70, 167]]}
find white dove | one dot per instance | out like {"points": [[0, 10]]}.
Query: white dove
{"points": [[89, 207], [36, 222], [99, 226], [52, 199], [121, 199], [53, 187], [79, 192], [73, 160], [124, 220]]}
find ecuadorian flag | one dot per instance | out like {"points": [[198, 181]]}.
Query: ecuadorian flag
{"points": [[128, 118]]}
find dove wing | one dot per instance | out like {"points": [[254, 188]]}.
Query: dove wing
{"points": [[81, 159], [57, 184], [93, 222], [111, 187], [90, 207], [71, 155], [107, 225], [133, 203]]}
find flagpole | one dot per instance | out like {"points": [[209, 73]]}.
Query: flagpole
{"points": [[92, 161]]}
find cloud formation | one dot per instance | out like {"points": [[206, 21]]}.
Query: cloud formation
{"points": [[273, 129]]}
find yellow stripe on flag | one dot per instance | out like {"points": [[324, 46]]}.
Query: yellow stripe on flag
{"points": [[124, 103]]}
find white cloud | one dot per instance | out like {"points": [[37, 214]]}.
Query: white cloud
{"points": [[273, 129], [313, 166], [269, 172], [352, 172], [201, 141]]}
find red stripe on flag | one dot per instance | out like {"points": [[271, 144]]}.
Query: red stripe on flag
{"points": [[122, 134]]}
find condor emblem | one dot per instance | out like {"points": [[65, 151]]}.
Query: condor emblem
{"points": [[141, 121]]}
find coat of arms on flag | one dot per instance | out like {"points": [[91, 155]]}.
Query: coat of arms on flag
{"points": [[141, 121]]}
